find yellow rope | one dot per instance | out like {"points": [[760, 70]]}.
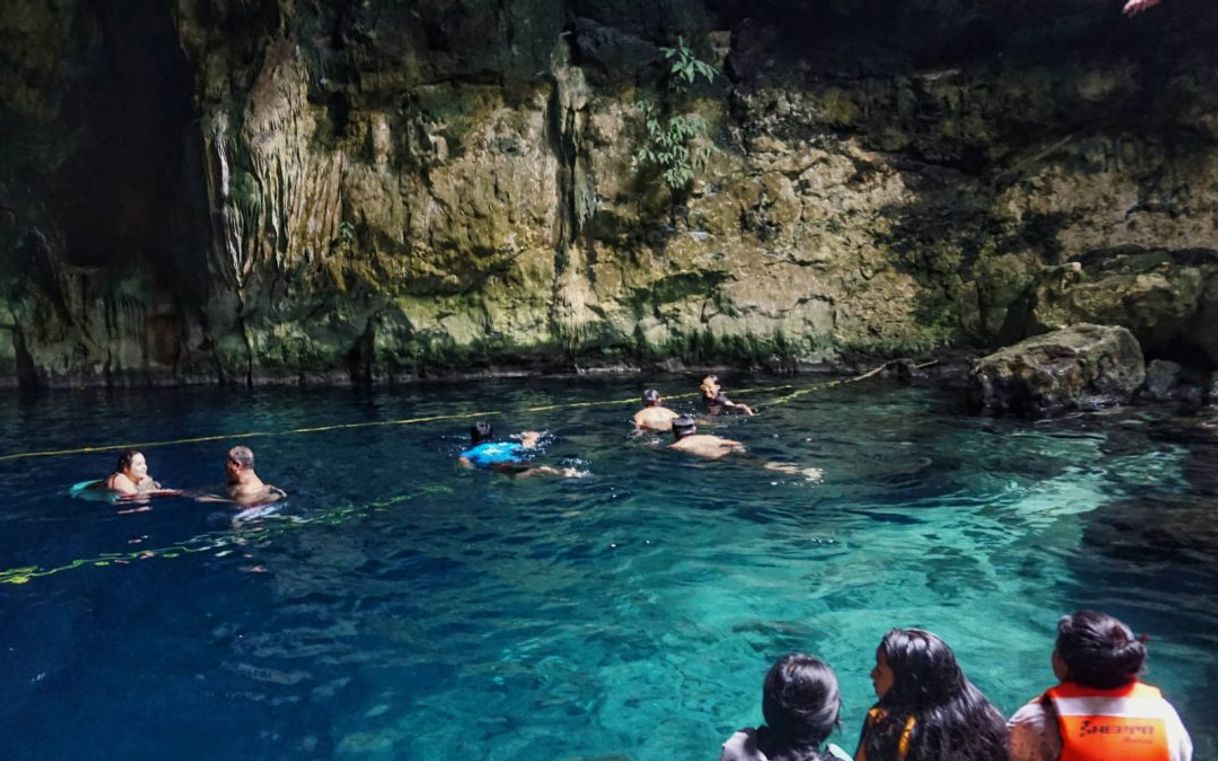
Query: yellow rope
{"points": [[213, 540], [407, 421]]}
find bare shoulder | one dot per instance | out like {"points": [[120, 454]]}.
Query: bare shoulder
{"points": [[121, 484]]}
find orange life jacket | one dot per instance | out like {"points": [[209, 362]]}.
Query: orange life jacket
{"points": [[1124, 724]]}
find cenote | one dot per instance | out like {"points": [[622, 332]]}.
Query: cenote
{"points": [[398, 607]]}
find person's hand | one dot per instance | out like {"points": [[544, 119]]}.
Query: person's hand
{"points": [[1134, 7], [747, 409], [528, 439]]}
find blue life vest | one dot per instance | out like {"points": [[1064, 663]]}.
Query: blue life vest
{"points": [[490, 453]]}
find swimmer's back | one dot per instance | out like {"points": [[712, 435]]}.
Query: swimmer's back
{"points": [[491, 453]]}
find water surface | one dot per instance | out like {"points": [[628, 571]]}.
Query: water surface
{"points": [[400, 608]]}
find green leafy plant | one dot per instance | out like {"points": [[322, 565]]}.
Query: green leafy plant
{"points": [[346, 232], [675, 142]]}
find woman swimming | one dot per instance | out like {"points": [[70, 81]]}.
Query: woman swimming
{"points": [[927, 709], [130, 477]]}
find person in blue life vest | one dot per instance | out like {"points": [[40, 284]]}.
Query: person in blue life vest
{"points": [[511, 458], [800, 701], [1099, 710], [927, 709]]}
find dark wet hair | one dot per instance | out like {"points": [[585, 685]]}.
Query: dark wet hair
{"points": [[124, 460], [242, 456], [480, 432], [1098, 650], [651, 397], [953, 720], [683, 426], [801, 703]]}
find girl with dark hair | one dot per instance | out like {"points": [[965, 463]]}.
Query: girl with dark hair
{"points": [[1099, 710], [801, 703], [130, 476], [928, 710]]}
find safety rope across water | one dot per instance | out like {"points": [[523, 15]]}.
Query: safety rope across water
{"points": [[348, 426], [222, 542]]}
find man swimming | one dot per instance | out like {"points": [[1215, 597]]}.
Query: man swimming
{"points": [[653, 416], [243, 485], [687, 439], [715, 402], [507, 457]]}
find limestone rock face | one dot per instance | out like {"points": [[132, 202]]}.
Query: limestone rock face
{"points": [[1082, 366], [1166, 298], [273, 191]]}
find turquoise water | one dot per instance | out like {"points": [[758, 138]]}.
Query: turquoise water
{"points": [[400, 608]]}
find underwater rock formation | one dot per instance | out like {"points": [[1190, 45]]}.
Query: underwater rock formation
{"points": [[1080, 367], [269, 191]]}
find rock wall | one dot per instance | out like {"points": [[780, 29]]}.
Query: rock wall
{"points": [[270, 191]]}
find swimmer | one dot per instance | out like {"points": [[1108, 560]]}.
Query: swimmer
{"points": [[715, 402], [507, 457], [130, 479], [653, 416], [687, 439], [243, 485]]}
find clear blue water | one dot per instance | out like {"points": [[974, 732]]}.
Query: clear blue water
{"points": [[400, 608]]}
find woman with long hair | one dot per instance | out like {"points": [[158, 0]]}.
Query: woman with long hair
{"points": [[1099, 710], [927, 709], [801, 702]]}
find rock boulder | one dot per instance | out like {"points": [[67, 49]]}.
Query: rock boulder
{"points": [[1083, 366]]}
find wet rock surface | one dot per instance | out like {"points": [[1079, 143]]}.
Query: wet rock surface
{"points": [[281, 192], [1080, 367]]}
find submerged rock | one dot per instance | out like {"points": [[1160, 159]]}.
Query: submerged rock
{"points": [[1081, 367], [1155, 528]]}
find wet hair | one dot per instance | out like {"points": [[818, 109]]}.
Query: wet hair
{"points": [[651, 397], [953, 720], [124, 460], [801, 703], [683, 426], [243, 457], [707, 381], [480, 432], [1098, 650]]}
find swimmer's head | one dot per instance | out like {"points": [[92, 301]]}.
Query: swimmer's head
{"points": [[710, 385], [651, 398], [480, 432], [131, 461], [682, 427], [242, 458]]}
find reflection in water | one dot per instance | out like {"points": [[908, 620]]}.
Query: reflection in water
{"points": [[401, 607]]}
